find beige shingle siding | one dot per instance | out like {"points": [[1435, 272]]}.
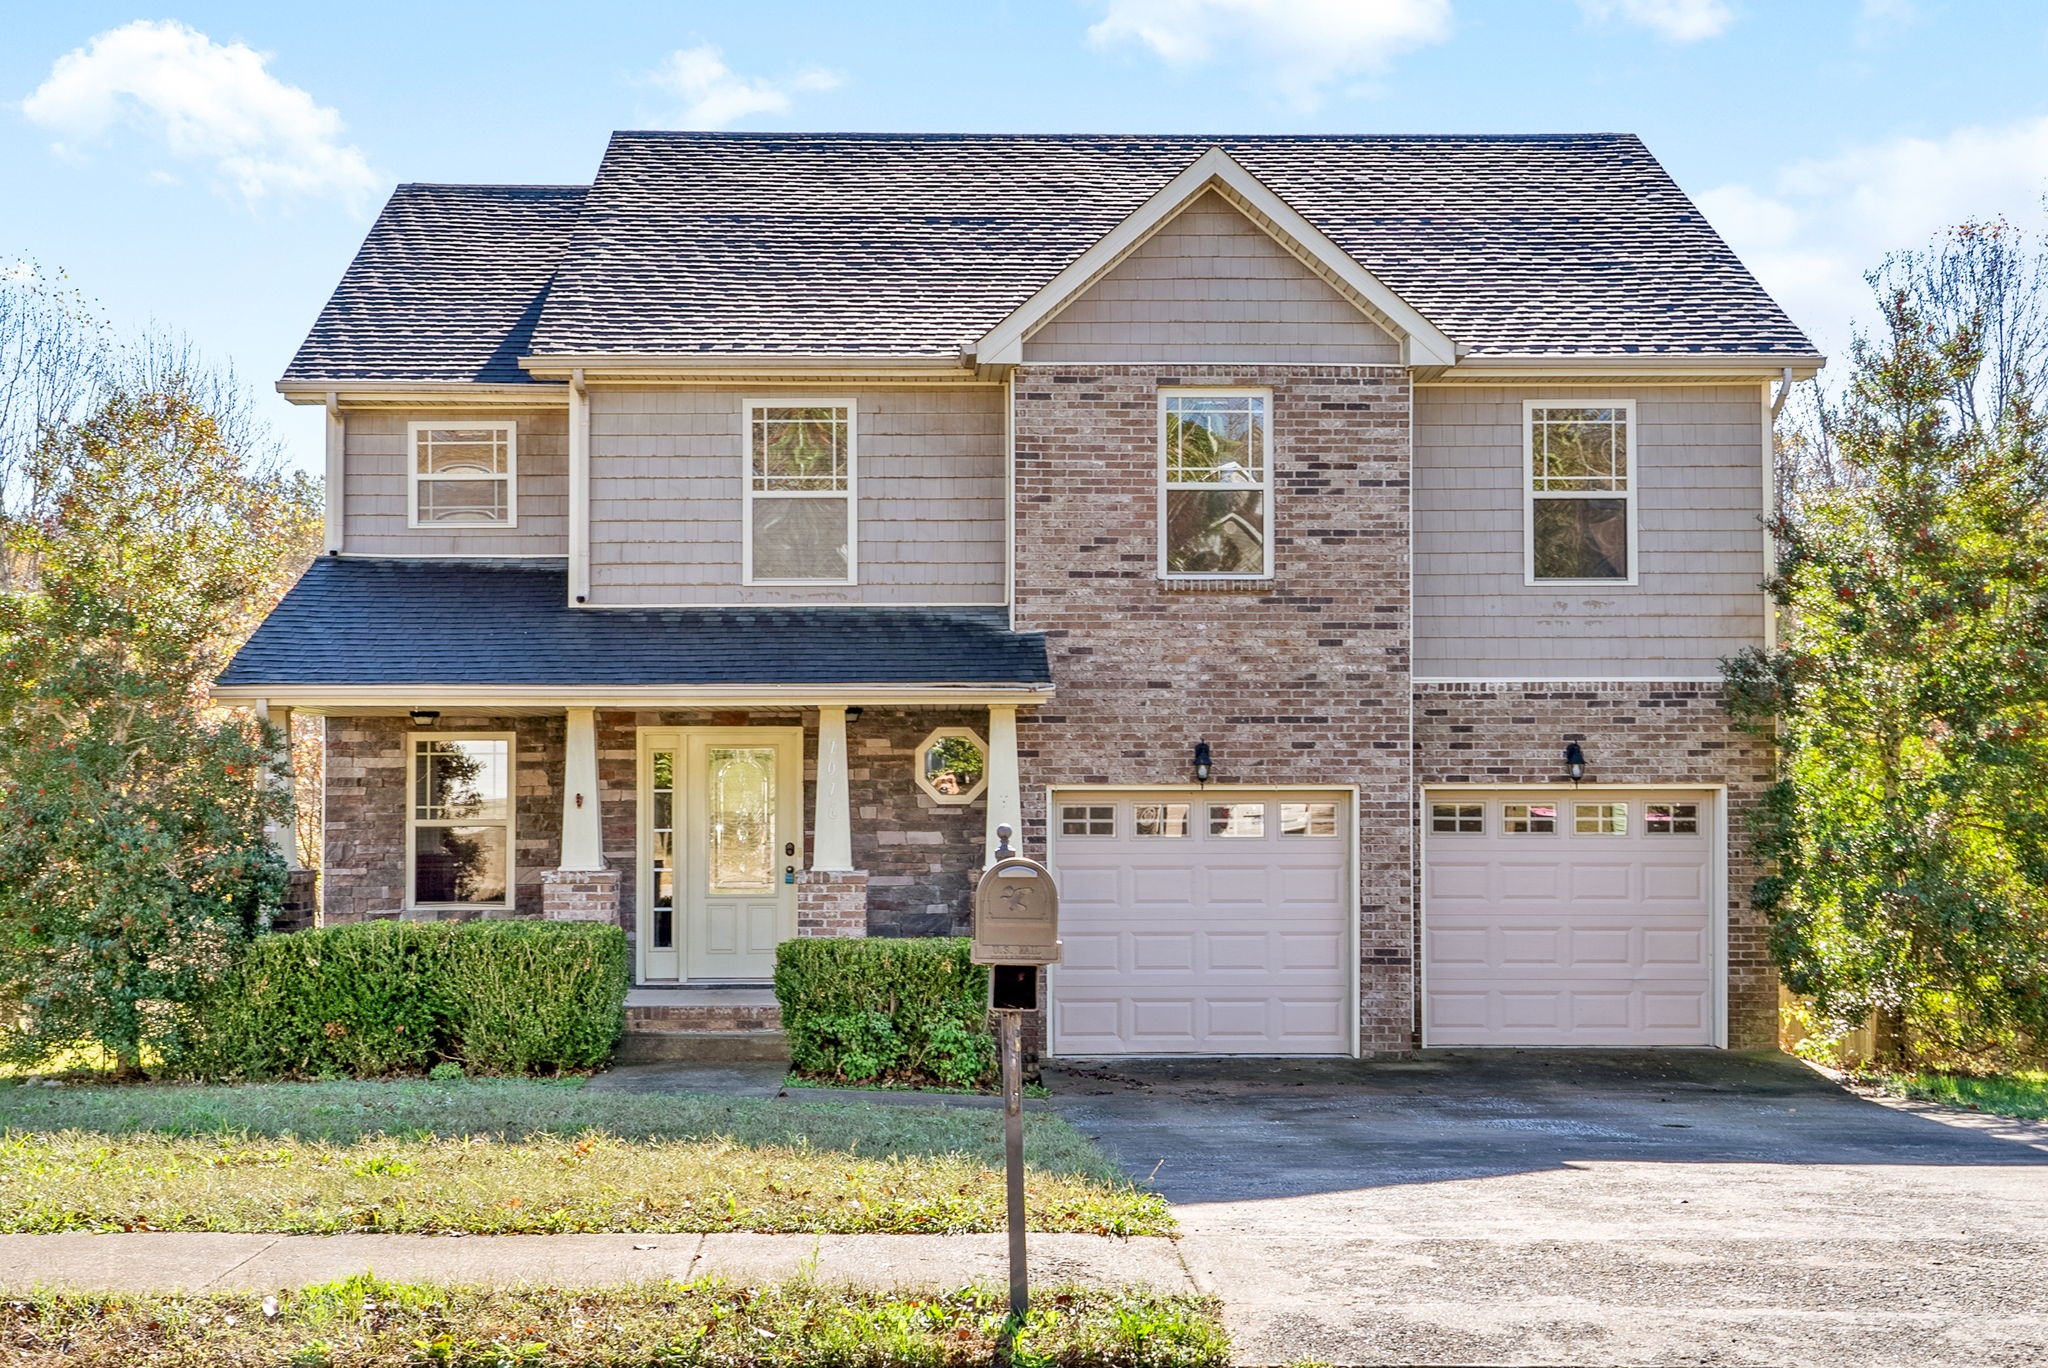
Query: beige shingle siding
{"points": [[376, 490], [1700, 543], [666, 497], [1211, 286]]}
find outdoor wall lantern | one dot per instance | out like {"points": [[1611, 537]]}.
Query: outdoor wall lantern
{"points": [[425, 717], [1574, 761], [1201, 762], [853, 713]]}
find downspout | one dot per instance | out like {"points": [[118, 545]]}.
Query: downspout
{"points": [[579, 488], [333, 492], [1784, 392]]}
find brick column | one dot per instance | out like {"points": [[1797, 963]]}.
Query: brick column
{"points": [[832, 902], [580, 895], [300, 908]]}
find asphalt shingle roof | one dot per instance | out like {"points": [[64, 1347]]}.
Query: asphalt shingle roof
{"points": [[361, 621], [447, 286], [913, 244]]}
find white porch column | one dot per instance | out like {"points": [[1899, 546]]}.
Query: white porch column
{"points": [[1005, 794], [582, 832], [283, 836], [832, 824]]}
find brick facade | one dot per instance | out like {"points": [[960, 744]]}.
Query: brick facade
{"points": [[590, 895], [831, 903], [1303, 679], [1632, 733]]}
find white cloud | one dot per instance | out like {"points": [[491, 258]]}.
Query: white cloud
{"points": [[204, 101], [1299, 46], [715, 96], [1675, 21], [1813, 231]]}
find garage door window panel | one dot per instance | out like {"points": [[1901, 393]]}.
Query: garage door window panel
{"points": [[1308, 819], [1237, 821], [1458, 819], [1088, 819], [1671, 819], [1600, 819], [1163, 820], [1529, 819]]}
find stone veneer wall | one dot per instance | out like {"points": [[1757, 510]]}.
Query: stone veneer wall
{"points": [[1633, 732], [363, 859], [1300, 680]]}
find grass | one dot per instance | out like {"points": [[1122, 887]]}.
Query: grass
{"points": [[364, 1323], [2023, 1094], [521, 1156]]}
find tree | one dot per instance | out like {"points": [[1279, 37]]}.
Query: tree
{"points": [[1907, 837], [132, 856]]}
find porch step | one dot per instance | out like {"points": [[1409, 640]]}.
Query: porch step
{"points": [[716, 1046]]}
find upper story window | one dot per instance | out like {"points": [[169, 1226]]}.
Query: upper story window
{"points": [[1216, 504], [1581, 523], [464, 475], [799, 514]]}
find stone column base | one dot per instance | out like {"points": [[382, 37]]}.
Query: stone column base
{"points": [[832, 902], [590, 895], [300, 909]]}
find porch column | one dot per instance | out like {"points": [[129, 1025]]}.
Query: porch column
{"points": [[1005, 795], [582, 831], [832, 825]]}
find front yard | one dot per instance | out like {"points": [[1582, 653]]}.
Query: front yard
{"points": [[517, 1156], [2023, 1094], [365, 1323]]}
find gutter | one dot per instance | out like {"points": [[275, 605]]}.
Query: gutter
{"points": [[1784, 392]]}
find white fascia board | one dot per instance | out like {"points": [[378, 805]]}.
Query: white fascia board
{"points": [[620, 366], [1424, 342], [422, 392], [480, 696], [1745, 366]]}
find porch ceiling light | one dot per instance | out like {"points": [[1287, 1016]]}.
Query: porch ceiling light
{"points": [[1574, 761], [1202, 763], [424, 717]]}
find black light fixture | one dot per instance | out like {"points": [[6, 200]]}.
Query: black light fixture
{"points": [[1201, 762], [1574, 761], [853, 713], [424, 717]]}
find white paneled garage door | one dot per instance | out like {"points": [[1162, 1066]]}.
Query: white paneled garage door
{"points": [[1211, 923], [1568, 917]]}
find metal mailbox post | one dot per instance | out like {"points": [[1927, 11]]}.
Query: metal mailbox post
{"points": [[1016, 933]]}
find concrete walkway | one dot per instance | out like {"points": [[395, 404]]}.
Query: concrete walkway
{"points": [[181, 1262]]}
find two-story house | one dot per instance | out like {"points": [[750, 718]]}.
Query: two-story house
{"points": [[728, 546]]}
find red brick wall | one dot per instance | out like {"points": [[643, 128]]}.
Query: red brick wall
{"points": [[1632, 733], [1302, 680]]}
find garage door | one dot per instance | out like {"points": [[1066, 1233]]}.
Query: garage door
{"points": [[1574, 918], [1202, 924]]}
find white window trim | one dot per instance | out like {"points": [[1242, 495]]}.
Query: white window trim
{"points": [[1629, 496], [412, 823], [1265, 485], [923, 782], [852, 495], [414, 478]]}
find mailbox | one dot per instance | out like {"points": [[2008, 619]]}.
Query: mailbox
{"points": [[1016, 914]]}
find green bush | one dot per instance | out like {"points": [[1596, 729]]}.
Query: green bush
{"points": [[403, 997], [896, 1011]]}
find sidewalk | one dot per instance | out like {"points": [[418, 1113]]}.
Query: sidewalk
{"points": [[201, 1262]]}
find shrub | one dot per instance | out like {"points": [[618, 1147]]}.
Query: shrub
{"points": [[900, 1011], [402, 997]]}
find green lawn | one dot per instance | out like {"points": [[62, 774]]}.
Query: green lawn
{"points": [[364, 1323], [2023, 1094], [525, 1156]]}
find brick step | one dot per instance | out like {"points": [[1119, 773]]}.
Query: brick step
{"points": [[711, 1047], [720, 1016]]}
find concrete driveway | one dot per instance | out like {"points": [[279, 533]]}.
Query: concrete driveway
{"points": [[1574, 1207]]}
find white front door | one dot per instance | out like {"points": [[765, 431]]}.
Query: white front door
{"points": [[1561, 916], [721, 837]]}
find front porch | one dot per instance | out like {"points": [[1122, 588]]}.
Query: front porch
{"points": [[618, 815]]}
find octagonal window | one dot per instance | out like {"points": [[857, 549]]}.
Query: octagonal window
{"points": [[952, 765]]}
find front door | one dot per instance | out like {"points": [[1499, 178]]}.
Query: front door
{"points": [[721, 838]]}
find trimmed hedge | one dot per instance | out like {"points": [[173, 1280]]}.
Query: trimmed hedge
{"points": [[400, 997], [895, 1011]]}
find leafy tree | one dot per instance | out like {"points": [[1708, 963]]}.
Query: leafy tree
{"points": [[1907, 838], [132, 855]]}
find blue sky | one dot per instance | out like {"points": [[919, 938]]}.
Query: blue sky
{"points": [[213, 166]]}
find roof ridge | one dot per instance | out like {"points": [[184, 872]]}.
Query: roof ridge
{"points": [[760, 135], [580, 189]]}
